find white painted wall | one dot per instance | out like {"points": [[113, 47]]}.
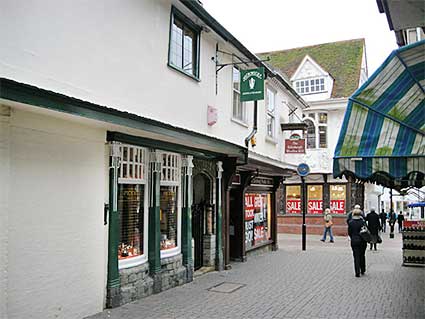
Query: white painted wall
{"points": [[56, 265], [4, 204], [115, 53]]}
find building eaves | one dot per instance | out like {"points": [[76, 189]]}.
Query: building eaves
{"points": [[196, 8]]}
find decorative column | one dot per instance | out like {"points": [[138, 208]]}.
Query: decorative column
{"points": [[5, 115], [187, 193], [113, 279], [154, 244], [219, 232]]}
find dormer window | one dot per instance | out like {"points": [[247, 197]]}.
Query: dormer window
{"points": [[316, 85]]}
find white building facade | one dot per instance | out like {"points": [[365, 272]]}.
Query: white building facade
{"points": [[117, 127]]}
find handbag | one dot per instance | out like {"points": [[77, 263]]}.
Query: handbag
{"points": [[379, 240], [329, 224], [365, 234]]}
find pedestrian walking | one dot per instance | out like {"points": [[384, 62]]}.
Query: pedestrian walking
{"points": [[383, 217], [400, 220], [328, 225], [358, 244], [350, 214], [392, 218], [373, 224]]}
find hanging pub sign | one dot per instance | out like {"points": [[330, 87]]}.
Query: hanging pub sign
{"points": [[252, 84], [295, 145]]}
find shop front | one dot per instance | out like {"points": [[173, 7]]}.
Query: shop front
{"points": [[252, 199], [164, 218], [321, 194]]}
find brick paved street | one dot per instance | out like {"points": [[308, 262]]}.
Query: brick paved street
{"points": [[289, 283]]}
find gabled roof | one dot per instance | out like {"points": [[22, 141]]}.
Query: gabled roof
{"points": [[342, 59]]}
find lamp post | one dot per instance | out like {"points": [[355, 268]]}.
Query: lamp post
{"points": [[303, 170]]}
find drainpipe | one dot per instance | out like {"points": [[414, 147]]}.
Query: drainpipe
{"points": [[254, 129]]}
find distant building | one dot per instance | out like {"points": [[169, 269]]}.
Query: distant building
{"points": [[325, 75]]}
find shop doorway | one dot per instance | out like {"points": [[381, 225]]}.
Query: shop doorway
{"points": [[201, 211], [235, 225]]}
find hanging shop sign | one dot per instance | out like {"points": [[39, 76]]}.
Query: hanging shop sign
{"points": [[295, 146], [252, 84]]}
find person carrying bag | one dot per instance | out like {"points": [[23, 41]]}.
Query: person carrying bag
{"points": [[357, 230], [328, 226]]}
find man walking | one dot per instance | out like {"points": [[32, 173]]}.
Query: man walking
{"points": [[400, 220], [383, 217]]}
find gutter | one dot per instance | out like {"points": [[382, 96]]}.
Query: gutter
{"points": [[200, 12]]}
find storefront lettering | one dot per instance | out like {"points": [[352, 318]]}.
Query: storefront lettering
{"points": [[315, 206], [337, 206], [293, 206]]}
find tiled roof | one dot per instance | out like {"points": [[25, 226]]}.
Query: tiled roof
{"points": [[341, 59]]}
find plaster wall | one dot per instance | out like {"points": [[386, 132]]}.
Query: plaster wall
{"points": [[57, 259], [4, 205], [115, 54]]}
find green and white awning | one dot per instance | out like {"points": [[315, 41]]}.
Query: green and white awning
{"points": [[382, 139]]}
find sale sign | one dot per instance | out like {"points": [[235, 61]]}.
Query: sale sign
{"points": [[315, 206], [293, 206], [337, 206]]}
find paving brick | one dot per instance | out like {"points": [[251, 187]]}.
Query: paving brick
{"points": [[290, 283]]}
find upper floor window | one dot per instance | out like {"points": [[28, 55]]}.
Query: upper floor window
{"points": [[311, 134], [271, 98], [239, 108], [184, 44], [310, 86]]}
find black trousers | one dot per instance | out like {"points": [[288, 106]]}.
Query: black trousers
{"points": [[359, 251]]}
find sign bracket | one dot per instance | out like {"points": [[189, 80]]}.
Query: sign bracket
{"points": [[220, 66]]}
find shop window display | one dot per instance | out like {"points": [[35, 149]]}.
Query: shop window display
{"points": [[337, 199], [130, 209], [257, 219], [168, 216], [314, 199], [293, 199]]}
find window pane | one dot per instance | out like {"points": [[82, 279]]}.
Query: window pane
{"points": [[322, 137], [293, 199], [337, 199], [270, 125], [176, 49], [130, 210], [236, 79], [323, 118], [168, 217], [189, 51], [270, 101], [314, 199], [311, 135]]}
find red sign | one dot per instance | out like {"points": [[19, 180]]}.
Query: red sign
{"points": [[414, 223], [293, 206], [337, 206], [315, 206], [295, 146]]}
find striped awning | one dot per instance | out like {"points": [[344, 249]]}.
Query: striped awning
{"points": [[382, 138]]}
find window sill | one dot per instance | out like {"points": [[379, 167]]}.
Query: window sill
{"points": [[271, 140], [237, 121], [170, 252], [183, 72], [132, 262]]}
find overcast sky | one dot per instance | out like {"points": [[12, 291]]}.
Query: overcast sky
{"points": [[270, 25]]}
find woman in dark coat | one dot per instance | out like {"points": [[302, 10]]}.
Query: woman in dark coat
{"points": [[373, 224], [358, 244]]}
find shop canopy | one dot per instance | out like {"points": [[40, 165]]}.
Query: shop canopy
{"points": [[382, 138]]}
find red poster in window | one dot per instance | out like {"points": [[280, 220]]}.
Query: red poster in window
{"points": [[315, 206], [293, 206], [249, 206], [338, 206]]}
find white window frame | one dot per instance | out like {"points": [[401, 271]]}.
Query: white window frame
{"points": [[136, 261], [322, 124], [315, 133], [310, 86], [174, 180], [238, 115], [271, 113]]}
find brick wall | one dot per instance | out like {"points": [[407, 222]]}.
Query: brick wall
{"points": [[315, 225]]}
